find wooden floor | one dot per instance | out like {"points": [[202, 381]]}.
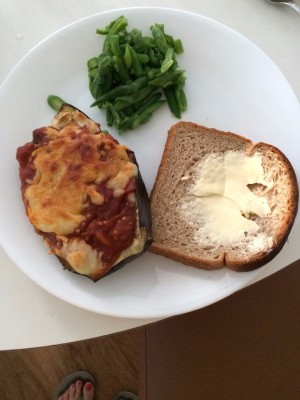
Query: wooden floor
{"points": [[33, 374], [244, 347]]}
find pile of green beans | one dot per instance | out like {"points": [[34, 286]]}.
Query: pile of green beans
{"points": [[135, 74]]}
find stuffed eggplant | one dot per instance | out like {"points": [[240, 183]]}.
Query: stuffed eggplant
{"points": [[83, 192]]}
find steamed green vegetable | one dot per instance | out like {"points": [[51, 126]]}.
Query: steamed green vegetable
{"points": [[55, 102], [135, 74]]}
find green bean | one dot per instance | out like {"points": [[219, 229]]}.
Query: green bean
{"points": [[92, 63], [136, 35], [114, 27], [127, 56], [120, 69], [154, 98], [100, 76], [127, 112], [109, 116], [172, 101], [134, 72], [168, 60], [112, 115], [140, 42], [114, 43], [121, 90], [124, 101], [170, 40], [159, 39], [180, 97], [143, 58], [154, 59], [178, 46], [168, 78], [105, 31], [176, 99], [55, 102], [143, 114], [136, 66], [161, 27]]}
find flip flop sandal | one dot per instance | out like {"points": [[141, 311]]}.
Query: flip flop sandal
{"points": [[72, 378], [126, 396]]}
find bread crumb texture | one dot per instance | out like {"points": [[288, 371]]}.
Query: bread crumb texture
{"points": [[182, 229]]}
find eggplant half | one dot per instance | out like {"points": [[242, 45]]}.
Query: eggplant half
{"points": [[84, 194]]}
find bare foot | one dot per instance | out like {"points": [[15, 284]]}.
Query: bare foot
{"points": [[77, 388]]}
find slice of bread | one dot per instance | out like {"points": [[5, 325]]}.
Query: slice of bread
{"points": [[194, 230]]}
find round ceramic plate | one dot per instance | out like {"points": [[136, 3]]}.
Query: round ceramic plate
{"points": [[231, 85]]}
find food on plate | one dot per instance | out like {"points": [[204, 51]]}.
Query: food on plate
{"points": [[221, 201], [133, 72], [55, 102], [84, 194]]}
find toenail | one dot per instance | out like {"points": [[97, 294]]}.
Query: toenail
{"points": [[88, 386]]}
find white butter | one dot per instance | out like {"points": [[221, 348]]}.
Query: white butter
{"points": [[222, 198]]}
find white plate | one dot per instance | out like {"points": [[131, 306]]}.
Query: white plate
{"points": [[231, 85]]}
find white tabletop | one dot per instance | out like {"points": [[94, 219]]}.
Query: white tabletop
{"points": [[29, 316]]}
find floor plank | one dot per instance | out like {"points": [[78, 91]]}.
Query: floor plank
{"points": [[244, 347], [34, 373]]}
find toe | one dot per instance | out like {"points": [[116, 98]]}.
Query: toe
{"points": [[78, 390], [64, 396], [88, 391], [71, 392]]}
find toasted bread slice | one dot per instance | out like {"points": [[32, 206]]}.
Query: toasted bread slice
{"points": [[199, 229]]}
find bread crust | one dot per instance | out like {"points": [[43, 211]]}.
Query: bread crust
{"points": [[222, 256]]}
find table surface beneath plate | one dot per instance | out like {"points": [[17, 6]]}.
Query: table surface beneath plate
{"points": [[28, 314]]}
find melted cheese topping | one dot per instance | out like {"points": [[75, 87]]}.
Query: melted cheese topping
{"points": [[75, 164], [67, 169], [87, 261], [81, 256]]}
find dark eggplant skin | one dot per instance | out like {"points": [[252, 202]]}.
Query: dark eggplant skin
{"points": [[143, 202]]}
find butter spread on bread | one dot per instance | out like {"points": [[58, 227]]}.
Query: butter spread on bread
{"points": [[221, 201], [221, 195]]}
